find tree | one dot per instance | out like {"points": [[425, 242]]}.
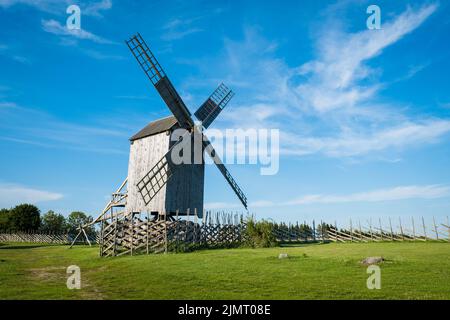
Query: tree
{"points": [[77, 219], [53, 222], [25, 217], [305, 230], [4, 219]]}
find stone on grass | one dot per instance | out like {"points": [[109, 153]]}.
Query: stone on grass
{"points": [[372, 260], [283, 256]]}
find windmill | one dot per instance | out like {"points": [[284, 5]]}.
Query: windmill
{"points": [[155, 183]]}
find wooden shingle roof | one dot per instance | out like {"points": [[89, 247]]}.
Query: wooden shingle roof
{"points": [[155, 127]]}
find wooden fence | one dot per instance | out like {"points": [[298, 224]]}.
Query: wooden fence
{"points": [[34, 238], [139, 234], [412, 231], [30, 237]]}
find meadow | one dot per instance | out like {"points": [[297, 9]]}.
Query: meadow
{"points": [[312, 271]]}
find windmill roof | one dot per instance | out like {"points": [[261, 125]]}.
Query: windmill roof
{"points": [[155, 127]]}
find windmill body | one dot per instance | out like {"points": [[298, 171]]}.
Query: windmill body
{"points": [[183, 192]]}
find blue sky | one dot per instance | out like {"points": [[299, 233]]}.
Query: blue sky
{"points": [[364, 114]]}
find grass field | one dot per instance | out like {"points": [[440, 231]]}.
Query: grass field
{"points": [[315, 271]]}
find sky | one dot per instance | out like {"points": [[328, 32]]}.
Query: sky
{"points": [[364, 115]]}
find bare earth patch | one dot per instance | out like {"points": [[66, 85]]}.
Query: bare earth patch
{"points": [[58, 274]]}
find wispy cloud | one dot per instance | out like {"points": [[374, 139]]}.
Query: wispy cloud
{"points": [[333, 104], [10, 52], [350, 144], [94, 9], [13, 194], [7, 105], [335, 76], [179, 28], [390, 194], [184, 24], [54, 27], [50, 6], [398, 193], [40, 129], [101, 56]]}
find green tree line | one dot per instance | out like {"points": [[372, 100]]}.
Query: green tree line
{"points": [[28, 218]]}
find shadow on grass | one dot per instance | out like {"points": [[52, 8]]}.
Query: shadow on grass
{"points": [[4, 246], [300, 244]]}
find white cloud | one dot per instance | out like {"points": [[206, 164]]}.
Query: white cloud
{"points": [[8, 51], [54, 27], [51, 6], [177, 29], [7, 105], [426, 192], [11, 195], [40, 129], [59, 6], [349, 144], [331, 105], [95, 9], [101, 56], [183, 25], [335, 75], [391, 194]]}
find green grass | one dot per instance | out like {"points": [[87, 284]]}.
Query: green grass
{"points": [[321, 271]]}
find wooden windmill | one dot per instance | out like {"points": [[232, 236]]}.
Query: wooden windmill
{"points": [[155, 183]]}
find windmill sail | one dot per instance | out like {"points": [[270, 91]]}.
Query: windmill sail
{"points": [[212, 107], [158, 77], [213, 154], [157, 177]]}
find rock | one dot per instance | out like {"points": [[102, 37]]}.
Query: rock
{"points": [[283, 256], [372, 260]]}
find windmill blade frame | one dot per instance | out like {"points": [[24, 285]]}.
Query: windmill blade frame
{"points": [[215, 103], [154, 180], [160, 80], [222, 168]]}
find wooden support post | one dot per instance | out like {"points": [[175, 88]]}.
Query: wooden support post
{"points": [[392, 232], [360, 230], [165, 234], [177, 228], [132, 234], [101, 238], [336, 231], [115, 236], [371, 232], [73, 242], [413, 228], [435, 229], [448, 227], [148, 231], [195, 225], [87, 238], [381, 229], [424, 229], [401, 228], [351, 231], [186, 234]]}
